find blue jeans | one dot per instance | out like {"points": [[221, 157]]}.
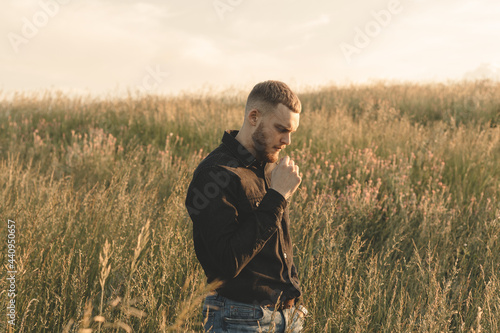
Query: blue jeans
{"points": [[222, 315]]}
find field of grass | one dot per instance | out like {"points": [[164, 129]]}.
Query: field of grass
{"points": [[395, 226]]}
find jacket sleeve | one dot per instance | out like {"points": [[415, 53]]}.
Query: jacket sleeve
{"points": [[232, 239]]}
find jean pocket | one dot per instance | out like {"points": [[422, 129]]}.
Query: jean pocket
{"points": [[244, 314]]}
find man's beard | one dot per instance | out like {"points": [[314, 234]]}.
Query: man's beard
{"points": [[260, 145]]}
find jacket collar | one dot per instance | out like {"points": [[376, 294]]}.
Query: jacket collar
{"points": [[238, 150]]}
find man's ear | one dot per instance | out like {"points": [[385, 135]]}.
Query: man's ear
{"points": [[253, 117]]}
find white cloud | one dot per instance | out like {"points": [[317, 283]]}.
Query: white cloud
{"points": [[99, 44], [484, 71], [202, 50], [323, 19]]}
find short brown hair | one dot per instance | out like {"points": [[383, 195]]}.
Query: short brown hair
{"points": [[268, 94]]}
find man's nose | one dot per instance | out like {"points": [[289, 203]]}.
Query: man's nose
{"points": [[287, 139]]}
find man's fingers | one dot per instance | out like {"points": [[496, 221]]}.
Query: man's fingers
{"points": [[288, 163]]}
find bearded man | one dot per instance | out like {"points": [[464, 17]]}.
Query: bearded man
{"points": [[238, 202]]}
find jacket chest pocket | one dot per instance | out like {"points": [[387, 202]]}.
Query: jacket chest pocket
{"points": [[255, 202], [248, 205]]}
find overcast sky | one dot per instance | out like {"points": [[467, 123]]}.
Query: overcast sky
{"points": [[107, 46]]}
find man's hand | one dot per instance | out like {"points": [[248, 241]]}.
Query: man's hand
{"points": [[302, 311], [285, 178]]}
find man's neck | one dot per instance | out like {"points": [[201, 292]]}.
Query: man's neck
{"points": [[245, 141]]}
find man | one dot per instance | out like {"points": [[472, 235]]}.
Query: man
{"points": [[237, 201]]}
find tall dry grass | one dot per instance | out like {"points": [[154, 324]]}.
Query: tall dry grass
{"points": [[396, 223]]}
